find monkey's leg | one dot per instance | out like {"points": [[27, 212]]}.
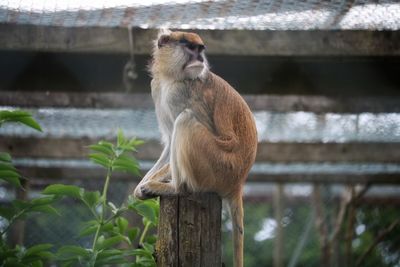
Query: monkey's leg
{"points": [[179, 160], [236, 212]]}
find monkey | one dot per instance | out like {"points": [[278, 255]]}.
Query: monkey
{"points": [[208, 131]]}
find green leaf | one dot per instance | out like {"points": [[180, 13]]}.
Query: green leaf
{"points": [[122, 224], [7, 167], [152, 239], [135, 142], [106, 144], [88, 230], [68, 263], [72, 252], [133, 233], [109, 242], [120, 138], [147, 211], [29, 121], [19, 116], [126, 163], [46, 255], [148, 248], [111, 256], [38, 248], [64, 190], [44, 200], [116, 260], [140, 252], [45, 209], [105, 149], [11, 177], [108, 227], [5, 157], [7, 212], [38, 263], [100, 159], [109, 253], [92, 199], [126, 168], [20, 204]]}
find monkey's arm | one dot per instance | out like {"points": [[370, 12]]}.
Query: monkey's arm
{"points": [[160, 164]]}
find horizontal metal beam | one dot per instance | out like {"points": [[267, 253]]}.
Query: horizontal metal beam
{"points": [[75, 100], [219, 42], [267, 152], [275, 103], [42, 175]]}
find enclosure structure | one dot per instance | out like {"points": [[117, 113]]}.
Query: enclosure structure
{"points": [[322, 81]]}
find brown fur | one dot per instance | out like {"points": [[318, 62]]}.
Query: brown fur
{"points": [[208, 132], [191, 37]]}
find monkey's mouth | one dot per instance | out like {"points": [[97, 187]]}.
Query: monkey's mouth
{"points": [[195, 64]]}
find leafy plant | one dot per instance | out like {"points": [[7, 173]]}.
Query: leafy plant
{"points": [[19, 209], [114, 240], [108, 226]]}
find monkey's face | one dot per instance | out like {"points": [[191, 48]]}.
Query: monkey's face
{"points": [[180, 55]]}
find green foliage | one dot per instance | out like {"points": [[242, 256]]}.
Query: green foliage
{"points": [[37, 255], [19, 117], [19, 256], [114, 240], [8, 172], [116, 157]]}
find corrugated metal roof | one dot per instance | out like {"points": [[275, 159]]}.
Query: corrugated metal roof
{"points": [[241, 14]]}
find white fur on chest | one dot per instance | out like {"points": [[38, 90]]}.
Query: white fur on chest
{"points": [[170, 101]]}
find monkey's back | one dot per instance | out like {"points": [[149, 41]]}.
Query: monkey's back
{"points": [[234, 126]]}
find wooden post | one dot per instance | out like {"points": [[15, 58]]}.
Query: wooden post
{"points": [[189, 231], [278, 210], [18, 228]]}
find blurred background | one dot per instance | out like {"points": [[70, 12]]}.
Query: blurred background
{"points": [[321, 77]]}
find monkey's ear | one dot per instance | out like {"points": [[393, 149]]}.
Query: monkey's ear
{"points": [[163, 40]]}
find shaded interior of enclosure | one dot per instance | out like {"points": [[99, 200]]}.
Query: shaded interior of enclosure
{"points": [[335, 76]]}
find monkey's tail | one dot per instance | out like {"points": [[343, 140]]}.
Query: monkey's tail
{"points": [[236, 211]]}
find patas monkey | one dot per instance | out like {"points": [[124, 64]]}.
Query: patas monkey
{"points": [[208, 131]]}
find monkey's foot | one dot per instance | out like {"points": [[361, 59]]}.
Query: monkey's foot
{"points": [[153, 189], [142, 193]]}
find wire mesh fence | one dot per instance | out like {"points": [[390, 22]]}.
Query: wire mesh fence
{"points": [[315, 224], [196, 14], [289, 225]]}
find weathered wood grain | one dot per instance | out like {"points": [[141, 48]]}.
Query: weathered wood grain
{"points": [[167, 242], [190, 231]]}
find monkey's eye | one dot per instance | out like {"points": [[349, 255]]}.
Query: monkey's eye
{"points": [[183, 41], [191, 46]]}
